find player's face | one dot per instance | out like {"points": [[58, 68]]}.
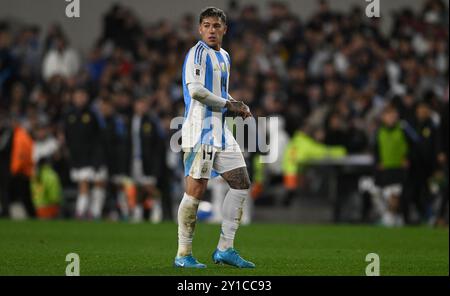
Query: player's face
{"points": [[212, 30]]}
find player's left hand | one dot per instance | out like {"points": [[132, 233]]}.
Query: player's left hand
{"points": [[246, 111], [240, 108]]}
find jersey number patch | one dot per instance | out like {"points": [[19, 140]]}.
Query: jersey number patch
{"points": [[207, 153]]}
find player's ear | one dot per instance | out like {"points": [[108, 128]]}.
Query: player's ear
{"points": [[200, 28], [225, 30]]}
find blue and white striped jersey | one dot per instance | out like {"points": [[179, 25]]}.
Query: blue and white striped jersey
{"points": [[202, 124]]}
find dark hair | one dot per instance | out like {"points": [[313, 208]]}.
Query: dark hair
{"points": [[105, 100], [213, 12], [390, 107]]}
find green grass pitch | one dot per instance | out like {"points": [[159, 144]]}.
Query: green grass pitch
{"points": [[111, 248]]}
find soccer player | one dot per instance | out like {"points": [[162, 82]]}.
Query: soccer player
{"points": [[209, 146], [145, 152], [82, 134]]}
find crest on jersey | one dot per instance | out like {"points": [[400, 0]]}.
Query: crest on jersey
{"points": [[223, 67], [147, 127]]}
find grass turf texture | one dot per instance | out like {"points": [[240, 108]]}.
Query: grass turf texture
{"points": [[107, 248]]}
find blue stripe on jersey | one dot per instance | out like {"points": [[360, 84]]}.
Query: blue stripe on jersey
{"points": [[187, 96], [209, 74], [224, 74], [208, 111], [198, 54], [195, 54], [223, 88]]}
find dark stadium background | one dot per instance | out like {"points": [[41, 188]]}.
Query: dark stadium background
{"points": [[323, 68], [329, 72]]}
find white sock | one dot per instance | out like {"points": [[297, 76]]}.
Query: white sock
{"points": [[98, 200], [138, 213], [232, 214], [156, 215], [82, 205], [219, 189], [122, 203], [187, 216], [247, 212]]}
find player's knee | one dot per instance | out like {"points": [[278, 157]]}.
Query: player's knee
{"points": [[196, 192], [196, 188]]}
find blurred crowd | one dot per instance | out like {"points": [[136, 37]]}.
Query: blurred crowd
{"points": [[100, 122]]}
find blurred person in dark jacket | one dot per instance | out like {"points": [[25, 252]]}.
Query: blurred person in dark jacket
{"points": [[424, 159], [443, 168], [83, 138], [115, 146], [6, 135], [405, 105], [335, 132], [145, 155]]}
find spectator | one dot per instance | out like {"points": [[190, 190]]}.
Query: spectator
{"points": [[424, 153], [391, 159], [302, 148], [45, 184], [442, 172], [82, 134], [146, 149], [115, 145], [6, 135], [60, 60], [22, 167]]}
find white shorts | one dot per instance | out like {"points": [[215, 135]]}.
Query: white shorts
{"points": [[119, 179], [89, 174], [204, 161]]}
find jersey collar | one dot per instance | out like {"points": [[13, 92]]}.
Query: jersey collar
{"points": [[204, 43]]}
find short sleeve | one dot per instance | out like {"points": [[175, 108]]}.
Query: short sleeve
{"points": [[195, 66]]}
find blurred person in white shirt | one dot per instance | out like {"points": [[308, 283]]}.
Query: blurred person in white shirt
{"points": [[61, 60]]}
